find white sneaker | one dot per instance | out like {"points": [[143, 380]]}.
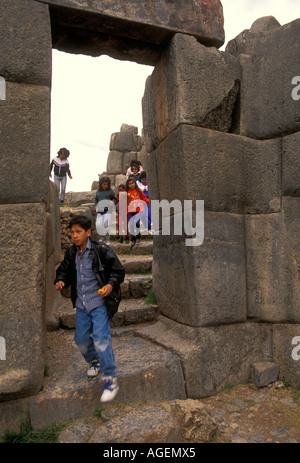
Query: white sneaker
{"points": [[110, 389], [94, 368]]}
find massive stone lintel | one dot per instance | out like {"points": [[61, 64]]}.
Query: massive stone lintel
{"points": [[135, 30]]}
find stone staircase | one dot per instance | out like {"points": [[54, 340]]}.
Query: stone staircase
{"points": [[147, 371]]}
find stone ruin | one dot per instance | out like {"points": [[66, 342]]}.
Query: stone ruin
{"points": [[222, 127]]}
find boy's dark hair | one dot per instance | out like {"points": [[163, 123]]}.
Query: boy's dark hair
{"points": [[102, 180], [122, 186], [82, 220]]}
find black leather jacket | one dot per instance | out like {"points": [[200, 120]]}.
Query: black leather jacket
{"points": [[106, 267]]}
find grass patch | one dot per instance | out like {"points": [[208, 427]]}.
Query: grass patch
{"points": [[150, 298], [27, 435]]}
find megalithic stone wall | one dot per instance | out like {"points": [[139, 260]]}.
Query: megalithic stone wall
{"points": [[243, 161], [25, 63]]}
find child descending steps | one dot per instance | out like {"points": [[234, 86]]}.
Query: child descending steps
{"points": [[104, 210], [136, 209]]}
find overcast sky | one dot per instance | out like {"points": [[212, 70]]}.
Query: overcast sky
{"points": [[93, 97]]}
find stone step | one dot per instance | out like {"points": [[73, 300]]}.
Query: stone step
{"points": [[131, 311], [146, 373], [136, 263], [143, 248], [136, 286]]}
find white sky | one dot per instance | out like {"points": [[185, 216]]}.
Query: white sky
{"points": [[93, 97]]}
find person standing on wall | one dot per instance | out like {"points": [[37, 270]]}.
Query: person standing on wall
{"points": [[61, 169]]}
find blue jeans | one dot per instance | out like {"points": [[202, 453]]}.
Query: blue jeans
{"points": [[93, 338]]}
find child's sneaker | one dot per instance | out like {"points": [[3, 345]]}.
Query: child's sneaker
{"points": [[110, 389], [94, 368]]}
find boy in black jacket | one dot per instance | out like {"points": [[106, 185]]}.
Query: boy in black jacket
{"points": [[90, 266]]}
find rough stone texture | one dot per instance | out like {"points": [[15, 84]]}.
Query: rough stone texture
{"points": [[273, 260], [264, 373], [114, 162], [214, 291], [151, 424], [22, 302], [234, 174], [24, 143], [291, 165], [267, 108], [191, 84], [283, 336], [214, 357], [265, 24], [145, 368], [125, 140], [132, 30], [25, 25]]}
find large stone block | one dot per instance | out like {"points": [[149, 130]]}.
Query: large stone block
{"points": [[291, 165], [273, 262], [212, 358], [203, 285], [267, 108], [132, 30], [25, 38], [22, 301], [125, 140], [24, 144], [229, 172], [114, 162], [191, 84]]}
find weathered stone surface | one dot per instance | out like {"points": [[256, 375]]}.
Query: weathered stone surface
{"points": [[22, 302], [132, 30], [136, 264], [196, 424], [264, 24], [25, 38], [24, 144], [75, 198], [229, 172], [214, 291], [125, 140], [114, 162], [179, 421], [264, 373], [287, 352], [273, 260], [191, 84], [145, 368], [12, 414], [213, 357], [291, 165], [267, 108], [54, 233], [150, 423]]}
